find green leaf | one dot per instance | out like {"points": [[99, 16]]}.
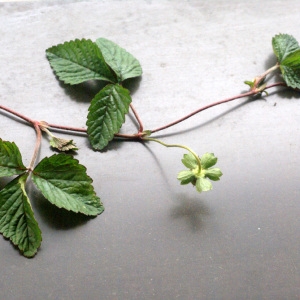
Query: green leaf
{"points": [[123, 63], [17, 221], [284, 45], [189, 161], [78, 61], [64, 182], [208, 160], [290, 68], [213, 174], [107, 114], [10, 159]]}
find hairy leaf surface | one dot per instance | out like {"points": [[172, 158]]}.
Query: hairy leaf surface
{"points": [[123, 63], [78, 61], [10, 159], [17, 221], [107, 114], [64, 182], [283, 45]]}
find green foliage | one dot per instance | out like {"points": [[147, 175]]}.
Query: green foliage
{"points": [[62, 144], [64, 182], [78, 61], [17, 221], [60, 178], [10, 159], [107, 114], [124, 64], [198, 176], [287, 50]]}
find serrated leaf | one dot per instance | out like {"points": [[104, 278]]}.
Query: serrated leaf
{"points": [[189, 161], [203, 185], [290, 68], [208, 160], [64, 182], [10, 159], [123, 63], [283, 45], [17, 221], [107, 114], [78, 61]]}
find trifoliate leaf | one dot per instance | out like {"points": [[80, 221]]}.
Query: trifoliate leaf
{"points": [[123, 63], [284, 45], [186, 176], [189, 160], [62, 144], [208, 160], [17, 221], [78, 61], [10, 159], [107, 114], [203, 185], [64, 182], [213, 174]]}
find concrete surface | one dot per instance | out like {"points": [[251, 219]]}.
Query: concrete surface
{"points": [[157, 239]]}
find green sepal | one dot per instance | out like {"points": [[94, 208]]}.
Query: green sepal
{"points": [[186, 177], [189, 160], [124, 64], [77, 61], [10, 159], [64, 182], [203, 185], [213, 174], [17, 221], [208, 160], [107, 114]]}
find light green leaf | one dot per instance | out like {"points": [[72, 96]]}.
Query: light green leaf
{"points": [[62, 144], [208, 160], [78, 61], [64, 182], [123, 63], [107, 114], [186, 176], [284, 45], [189, 161], [10, 159], [17, 221], [203, 185], [213, 174]]}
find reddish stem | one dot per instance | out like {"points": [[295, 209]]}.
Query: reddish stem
{"points": [[141, 127]]}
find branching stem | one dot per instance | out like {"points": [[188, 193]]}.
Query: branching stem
{"points": [[37, 144]]}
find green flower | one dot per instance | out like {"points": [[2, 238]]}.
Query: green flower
{"points": [[197, 175]]}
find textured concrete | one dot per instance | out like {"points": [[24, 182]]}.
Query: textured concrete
{"points": [[157, 239]]}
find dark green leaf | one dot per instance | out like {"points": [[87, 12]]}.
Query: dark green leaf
{"points": [[208, 160], [284, 45], [10, 159], [123, 63], [107, 114], [290, 68], [64, 182], [17, 220], [78, 61]]}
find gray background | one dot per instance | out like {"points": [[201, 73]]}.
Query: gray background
{"points": [[157, 239]]}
